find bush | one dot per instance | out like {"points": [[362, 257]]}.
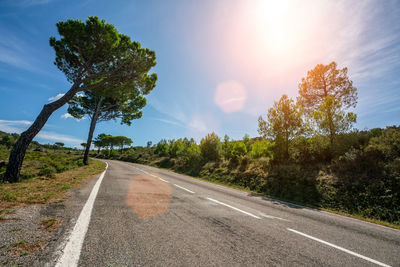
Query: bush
{"points": [[210, 147], [47, 171], [262, 148], [162, 148]]}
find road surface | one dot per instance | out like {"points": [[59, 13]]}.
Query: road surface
{"points": [[144, 216]]}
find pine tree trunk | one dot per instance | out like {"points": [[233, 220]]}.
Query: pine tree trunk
{"points": [[18, 151], [91, 130]]}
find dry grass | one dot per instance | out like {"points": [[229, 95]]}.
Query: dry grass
{"points": [[44, 190], [50, 224]]}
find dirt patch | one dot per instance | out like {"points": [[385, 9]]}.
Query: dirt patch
{"points": [[148, 196]]}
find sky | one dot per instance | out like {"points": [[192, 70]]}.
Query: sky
{"points": [[220, 64]]}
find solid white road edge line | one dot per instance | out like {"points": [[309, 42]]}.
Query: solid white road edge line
{"points": [[163, 180], [339, 248], [72, 250], [229, 206], [181, 187], [272, 217]]}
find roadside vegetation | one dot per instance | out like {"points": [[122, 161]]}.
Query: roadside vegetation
{"points": [[308, 153], [48, 172]]}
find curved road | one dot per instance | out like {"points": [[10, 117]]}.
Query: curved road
{"points": [[144, 216]]}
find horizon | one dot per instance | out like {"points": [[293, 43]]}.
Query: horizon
{"points": [[217, 63]]}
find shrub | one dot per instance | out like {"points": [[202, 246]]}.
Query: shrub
{"points": [[210, 147], [262, 148], [162, 148]]}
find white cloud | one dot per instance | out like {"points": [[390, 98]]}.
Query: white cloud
{"points": [[54, 98], [168, 121], [55, 137], [18, 126], [67, 115]]}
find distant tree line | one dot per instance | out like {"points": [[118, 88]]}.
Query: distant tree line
{"points": [[104, 141]]}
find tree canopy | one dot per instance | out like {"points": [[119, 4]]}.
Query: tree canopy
{"points": [[325, 93], [324, 81], [284, 122]]}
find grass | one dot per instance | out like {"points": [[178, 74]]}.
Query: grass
{"points": [[44, 163], [43, 189], [50, 224]]}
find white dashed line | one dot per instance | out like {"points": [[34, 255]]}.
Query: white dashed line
{"points": [[163, 180], [340, 248], [229, 206], [72, 250], [184, 188]]}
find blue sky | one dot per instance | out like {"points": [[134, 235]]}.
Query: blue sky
{"points": [[220, 64]]}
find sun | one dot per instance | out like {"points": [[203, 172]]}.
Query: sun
{"points": [[273, 25]]}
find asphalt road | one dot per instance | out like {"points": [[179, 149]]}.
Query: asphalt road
{"points": [[143, 216]]}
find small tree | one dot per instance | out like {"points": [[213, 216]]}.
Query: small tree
{"points": [[162, 148], [210, 147], [59, 144], [327, 81], [92, 55], [149, 144], [125, 105], [284, 122], [7, 141], [331, 118]]}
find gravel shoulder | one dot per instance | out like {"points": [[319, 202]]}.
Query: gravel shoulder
{"points": [[32, 234]]}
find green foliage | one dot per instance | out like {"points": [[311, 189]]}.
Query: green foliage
{"points": [[323, 81], [95, 53], [331, 118], [7, 141], [325, 93], [162, 148], [284, 122], [210, 147], [387, 143], [262, 148], [176, 148]]}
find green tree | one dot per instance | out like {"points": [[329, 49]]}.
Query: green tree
{"points": [[327, 81], [261, 148], [92, 55], [83, 145], [210, 147], [284, 122], [58, 145], [7, 141], [100, 142], [162, 148], [125, 105], [331, 118], [176, 148], [226, 148]]}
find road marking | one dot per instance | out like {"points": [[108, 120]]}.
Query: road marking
{"points": [[229, 206], [72, 250], [181, 187], [340, 248], [163, 180], [272, 217]]}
